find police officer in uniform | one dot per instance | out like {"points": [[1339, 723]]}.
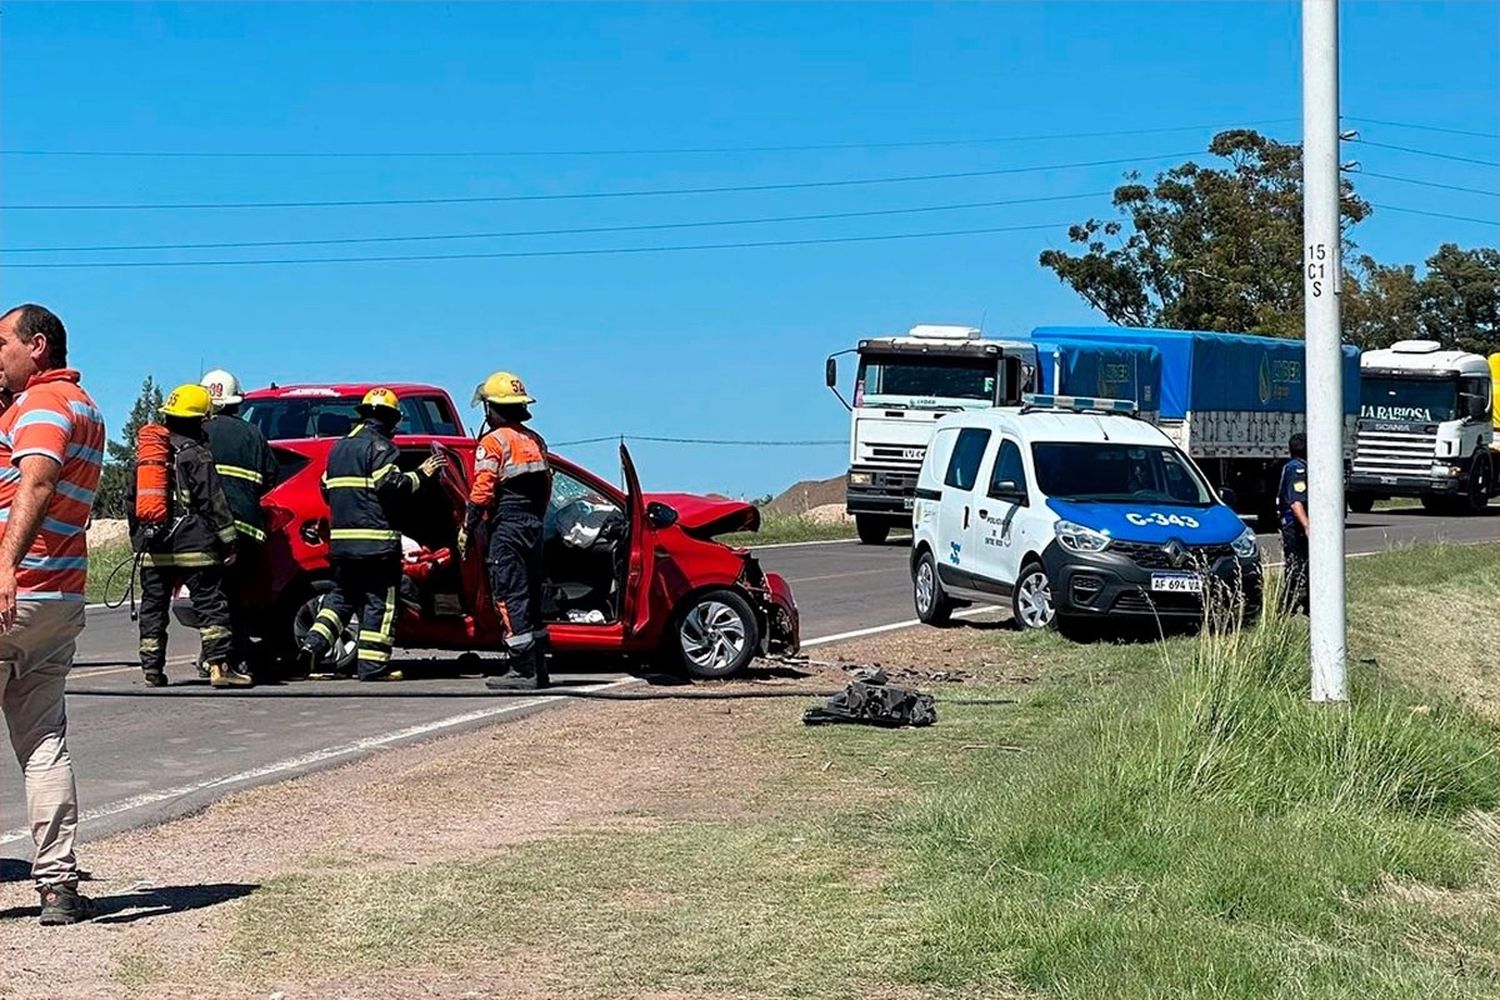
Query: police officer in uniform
{"points": [[512, 485], [1291, 503], [247, 468], [192, 548], [362, 483]]}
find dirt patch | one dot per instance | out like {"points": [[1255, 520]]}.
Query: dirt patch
{"points": [[808, 494]]}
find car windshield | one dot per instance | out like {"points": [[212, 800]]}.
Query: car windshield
{"points": [[289, 418], [1098, 471], [916, 381], [1423, 400]]}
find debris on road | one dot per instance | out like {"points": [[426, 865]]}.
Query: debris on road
{"points": [[872, 701]]}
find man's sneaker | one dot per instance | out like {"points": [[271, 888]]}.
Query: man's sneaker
{"points": [[62, 904], [222, 675], [389, 675], [154, 678]]}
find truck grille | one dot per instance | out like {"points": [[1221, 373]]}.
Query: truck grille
{"points": [[904, 456], [1150, 556], [1393, 453]]}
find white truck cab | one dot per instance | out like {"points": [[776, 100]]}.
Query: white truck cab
{"points": [[1071, 507]]}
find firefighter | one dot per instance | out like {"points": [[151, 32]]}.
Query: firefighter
{"points": [[362, 484], [512, 484], [247, 468], [191, 547], [1291, 503]]}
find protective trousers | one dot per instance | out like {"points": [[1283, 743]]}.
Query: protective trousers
{"points": [[1294, 584], [365, 589], [515, 568], [206, 588], [247, 552]]}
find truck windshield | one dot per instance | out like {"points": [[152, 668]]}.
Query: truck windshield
{"points": [[892, 380], [1096, 471], [1425, 400], [289, 418]]}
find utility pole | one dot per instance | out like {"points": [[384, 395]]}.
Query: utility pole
{"points": [[1322, 276]]}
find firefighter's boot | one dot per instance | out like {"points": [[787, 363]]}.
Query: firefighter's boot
{"points": [[225, 675]]}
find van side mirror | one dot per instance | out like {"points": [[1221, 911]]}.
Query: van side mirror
{"points": [[1008, 392], [1228, 497], [1010, 491], [660, 515], [831, 373]]}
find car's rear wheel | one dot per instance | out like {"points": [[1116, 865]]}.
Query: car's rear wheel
{"points": [[1031, 602], [932, 604], [340, 659], [716, 635]]}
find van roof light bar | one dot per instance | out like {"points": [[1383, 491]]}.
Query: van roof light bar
{"points": [[1078, 404]]}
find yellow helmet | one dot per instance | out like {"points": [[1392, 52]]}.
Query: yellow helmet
{"points": [[379, 398], [503, 389], [188, 401]]}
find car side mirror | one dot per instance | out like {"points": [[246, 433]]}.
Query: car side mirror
{"points": [[831, 373], [1228, 497], [660, 515]]}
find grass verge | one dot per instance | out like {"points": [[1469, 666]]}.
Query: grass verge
{"points": [[776, 529], [1147, 820], [103, 561]]}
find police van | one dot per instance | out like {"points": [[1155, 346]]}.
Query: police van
{"points": [[1070, 508]]}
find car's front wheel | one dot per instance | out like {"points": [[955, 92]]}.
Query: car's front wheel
{"points": [[717, 635], [340, 659], [932, 604], [1031, 602]]}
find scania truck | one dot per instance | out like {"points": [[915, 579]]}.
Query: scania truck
{"points": [[1426, 428]]}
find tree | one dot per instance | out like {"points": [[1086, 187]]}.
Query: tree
{"points": [[1460, 298], [1381, 304], [1204, 248], [120, 455]]}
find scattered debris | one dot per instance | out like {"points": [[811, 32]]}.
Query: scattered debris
{"points": [[872, 701]]}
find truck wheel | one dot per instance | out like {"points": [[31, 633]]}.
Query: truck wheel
{"points": [[1478, 497], [872, 530], [1361, 503], [716, 635], [1436, 505], [1031, 602], [933, 605]]}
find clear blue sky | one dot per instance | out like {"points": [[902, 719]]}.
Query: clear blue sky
{"points": [[723, 343]]}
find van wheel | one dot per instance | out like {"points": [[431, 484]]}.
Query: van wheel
{"points": [[341, 658], [1031, 602], [716, 636], [933, 606], [871, 530], [1361, 503]]}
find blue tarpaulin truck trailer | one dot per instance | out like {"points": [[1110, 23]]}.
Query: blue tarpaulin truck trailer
{"points": [[1067, 367], [1231, 401]]}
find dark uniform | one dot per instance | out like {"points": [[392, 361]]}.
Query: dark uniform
{"points": [[189, 549], [360, 484], [512, 485], [247, 468], [1293, 540]]}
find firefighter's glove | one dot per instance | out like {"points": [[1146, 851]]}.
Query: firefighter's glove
{"points": [[432, 466]]}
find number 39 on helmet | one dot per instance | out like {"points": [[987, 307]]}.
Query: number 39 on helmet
{"points": [[502, 389]]}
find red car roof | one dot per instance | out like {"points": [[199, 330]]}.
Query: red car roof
{"points": [[336, 389]]}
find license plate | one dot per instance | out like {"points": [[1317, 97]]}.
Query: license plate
{"points": [[1177, 583], [1388, 480], [906, 502]]}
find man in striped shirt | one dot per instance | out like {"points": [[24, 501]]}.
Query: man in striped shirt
{"points": [[51, 450]]}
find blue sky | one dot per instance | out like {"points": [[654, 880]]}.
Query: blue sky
{"points": [[722, 343]]}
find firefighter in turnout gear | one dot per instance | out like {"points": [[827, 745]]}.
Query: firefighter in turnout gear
{"points": [[361, 485], [247, 469], [512, 485], [190, 546]]}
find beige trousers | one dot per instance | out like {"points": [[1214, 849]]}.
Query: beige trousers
{"points": [[35, 657]]}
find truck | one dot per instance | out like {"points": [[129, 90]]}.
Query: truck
{"points": [[1231, 401], [905, 383], [1427, 428]]}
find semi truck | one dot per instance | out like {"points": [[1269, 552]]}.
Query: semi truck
{"points": [[1427, 428], [1231, 401], [903, 384]]}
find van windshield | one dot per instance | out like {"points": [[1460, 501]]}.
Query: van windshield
{"points": [[1097, 471]]}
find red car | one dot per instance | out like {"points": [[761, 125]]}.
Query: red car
{"points": [[627, 572]]}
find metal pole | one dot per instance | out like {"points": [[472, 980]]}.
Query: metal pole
{"points": [[1325, 392]]}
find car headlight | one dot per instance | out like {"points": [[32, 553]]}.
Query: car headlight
{"points": [[1076, 538], [1245, 546], [860, 479]]}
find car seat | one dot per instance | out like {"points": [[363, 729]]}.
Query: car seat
{"points": [[332, 424]]}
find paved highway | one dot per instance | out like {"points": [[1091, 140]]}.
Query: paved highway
{"points": [[143, 756]]}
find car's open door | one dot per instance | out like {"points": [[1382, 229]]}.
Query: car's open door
{"points": [[475, 590], [637, 604]]}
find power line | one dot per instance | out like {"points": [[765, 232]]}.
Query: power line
{"points": [[1436, 215], [1428, 152], [588, 230], [649, 193], [1430, 184], [724, 442], [498, 255], [648, 151], [1423, 128]]}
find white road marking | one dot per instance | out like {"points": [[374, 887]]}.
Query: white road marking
{"points": [[307, 759], [891, 627]]}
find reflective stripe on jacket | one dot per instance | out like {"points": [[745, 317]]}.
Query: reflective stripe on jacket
{"points": [[511, 472], [247, 470], [200, 525], [362, 482]]}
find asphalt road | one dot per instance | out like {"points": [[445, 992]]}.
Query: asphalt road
{"points": [[143, 756]]}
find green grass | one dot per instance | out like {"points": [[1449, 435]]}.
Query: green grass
{"points": [[1181, 822], [102, 562], [782, 528]]}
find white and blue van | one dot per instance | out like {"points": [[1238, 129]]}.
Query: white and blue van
{"points": [[1070, 508]]}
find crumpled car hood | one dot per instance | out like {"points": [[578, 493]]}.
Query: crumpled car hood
{"points": [[706, 517]]}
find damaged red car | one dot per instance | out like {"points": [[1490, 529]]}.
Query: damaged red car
{"points": [[627, 572]]}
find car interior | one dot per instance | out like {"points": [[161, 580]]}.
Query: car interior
{"points": [[586, 551]]}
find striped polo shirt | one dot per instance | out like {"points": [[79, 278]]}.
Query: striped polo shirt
{"points": [[56, 418]]}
